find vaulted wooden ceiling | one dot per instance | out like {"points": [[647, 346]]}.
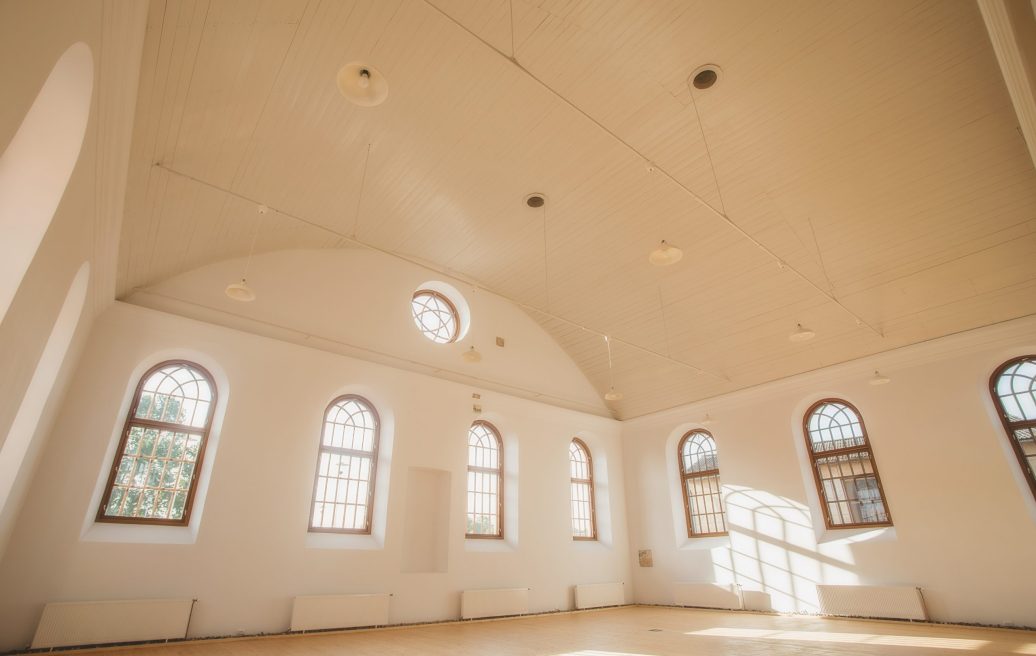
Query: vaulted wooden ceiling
{"points": [[857, 169]]}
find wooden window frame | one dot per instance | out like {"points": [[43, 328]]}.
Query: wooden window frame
{"points": [[590, 483], [453, 310], [132, 420], [685, 476], [499, 471], [372, 454], [865, 447], [1011, 426]]}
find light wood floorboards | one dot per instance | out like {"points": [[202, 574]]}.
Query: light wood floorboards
{"points": [[631, 631]]}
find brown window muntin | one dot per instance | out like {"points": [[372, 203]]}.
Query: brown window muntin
{"points": [[685, 476], [1013, 425], [499, 473], [372, 454], [589, 482], [864, 447], [132, 420], [455, 333]]}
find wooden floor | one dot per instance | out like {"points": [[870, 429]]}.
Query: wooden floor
{"points": [[631, 631]]}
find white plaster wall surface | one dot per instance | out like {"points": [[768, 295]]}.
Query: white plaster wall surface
{"points": [[250, 555], [965, 523], [357, 302]]}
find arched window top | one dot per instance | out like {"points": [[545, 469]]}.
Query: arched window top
{"points": [[351, 423], [834, 424], [178, 393], [435, 316], [155, 473], [343, 491], [579, 460], [1013, 386], [698, 453], [483, 446], [1014, 383]]}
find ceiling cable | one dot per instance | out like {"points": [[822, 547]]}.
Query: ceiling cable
{"points": [[440, 270], [691, 193]]}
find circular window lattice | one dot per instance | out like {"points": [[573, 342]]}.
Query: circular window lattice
{"points": [[435, 316]]}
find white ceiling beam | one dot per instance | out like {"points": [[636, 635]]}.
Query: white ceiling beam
{"points": [[1012, 30]]}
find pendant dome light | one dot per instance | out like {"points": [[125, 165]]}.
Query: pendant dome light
{"points": [[362, 85], [472, 355], [240, 291], [878, 379], [801, 334], [611, 394], [666, 254]]}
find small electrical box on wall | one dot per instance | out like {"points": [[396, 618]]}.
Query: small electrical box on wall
{"points": [[645, 558]]}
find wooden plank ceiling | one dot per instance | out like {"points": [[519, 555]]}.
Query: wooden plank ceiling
{"points": [[870, 147]]}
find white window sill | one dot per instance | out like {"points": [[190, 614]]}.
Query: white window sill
{"points": [[139, 533], [854, 535], [488, 545], [699, 544], [345, 541]]}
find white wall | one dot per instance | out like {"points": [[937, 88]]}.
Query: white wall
{"points": [[965, 523], [250, 555], [357, 302], [33, 37]]}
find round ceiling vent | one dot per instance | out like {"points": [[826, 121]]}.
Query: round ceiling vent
{"points": [[704, 77], [362, 85], [535, 200]]}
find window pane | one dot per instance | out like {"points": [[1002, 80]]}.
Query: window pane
{"points": [[851, 490], [434, 316], [484, 481], [835, 425], [343, 489], [176, 394], [153, 470], [699, 467]]}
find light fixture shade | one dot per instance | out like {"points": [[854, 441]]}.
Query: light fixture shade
{"points": [[362, 85], [472, 355], [801, 334], [240, 291], [879, 379], [612, 395], [665, 255]]}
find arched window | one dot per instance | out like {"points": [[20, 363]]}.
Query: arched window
{"points": [[843, 466], [155, 473], [485, 482], [584, 519], [435, 316], [699, 473], [1014, 390], [344, 488]]}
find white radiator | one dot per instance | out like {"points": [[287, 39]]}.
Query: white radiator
{"points": [[598, 595], [708, 595], [494, 603], [316, 612], [68, 624], [889, 601]]}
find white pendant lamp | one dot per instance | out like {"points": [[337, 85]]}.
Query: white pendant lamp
{"points": [[362, 85], [666, 254], [240, 291], [472, 355], [801, 334], [879, 379], [611, 394]]}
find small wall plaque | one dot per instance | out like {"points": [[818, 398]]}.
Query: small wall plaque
{"points": [[646, 560]]}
